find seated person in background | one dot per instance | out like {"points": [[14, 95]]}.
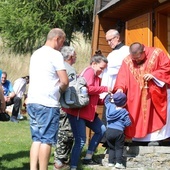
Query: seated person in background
{"points": [[20, 90], [2, 100], [20, 86], [117, 120], [10, 97]]}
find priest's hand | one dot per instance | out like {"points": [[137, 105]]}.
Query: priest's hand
{"points": [[147, 77], [119, 90], [109, 90]]}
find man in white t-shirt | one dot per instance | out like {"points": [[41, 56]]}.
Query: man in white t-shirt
{"points": [[48, 78]]}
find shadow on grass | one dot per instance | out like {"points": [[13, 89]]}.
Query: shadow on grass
{"points": [[11, 157], [21, 161]]}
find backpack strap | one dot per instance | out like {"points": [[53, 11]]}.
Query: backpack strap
{"points": [[84, 71], [78, 115]]}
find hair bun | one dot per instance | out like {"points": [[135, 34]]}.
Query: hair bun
{"points": [[98, 52]]}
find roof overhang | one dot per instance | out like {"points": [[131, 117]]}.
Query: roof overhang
{"points": [[127, 9]]}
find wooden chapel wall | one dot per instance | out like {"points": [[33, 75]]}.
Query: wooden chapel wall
{"points": [[137, 29], [101, 26]]}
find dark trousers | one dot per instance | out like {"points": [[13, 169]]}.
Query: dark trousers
{"points": [[17, 103], [115, 140]]}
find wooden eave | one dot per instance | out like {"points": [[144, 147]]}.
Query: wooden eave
{"points": [[127, 9]]}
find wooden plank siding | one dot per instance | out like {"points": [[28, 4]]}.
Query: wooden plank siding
{"points": [[95, 37], [99, 42]]}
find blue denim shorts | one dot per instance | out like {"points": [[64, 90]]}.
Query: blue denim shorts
{"points": [[44, 123]]}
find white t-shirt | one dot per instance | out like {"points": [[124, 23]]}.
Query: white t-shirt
{"points": [[20, 87], [44, 81]]}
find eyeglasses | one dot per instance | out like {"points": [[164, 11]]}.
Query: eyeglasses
{"points": [[109, 40]]}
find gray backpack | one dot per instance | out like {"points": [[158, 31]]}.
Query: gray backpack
{"points": [[76, 95]]}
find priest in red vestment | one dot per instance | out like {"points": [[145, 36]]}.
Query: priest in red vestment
{"points": [[144, 76]]}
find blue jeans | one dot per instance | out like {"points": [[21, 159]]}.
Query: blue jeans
{"points": [[79, 131], [44, 123]]}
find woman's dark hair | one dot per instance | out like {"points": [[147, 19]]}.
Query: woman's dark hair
{"points": [[98, 57], [98, 52]]}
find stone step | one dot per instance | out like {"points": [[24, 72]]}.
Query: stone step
{"points": [[147, 157], [143, 158]]}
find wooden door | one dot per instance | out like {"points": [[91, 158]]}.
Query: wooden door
{"points": [[162, 28], [139, 30]]}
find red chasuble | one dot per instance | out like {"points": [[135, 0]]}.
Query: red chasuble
{"points": [[147, 106]]}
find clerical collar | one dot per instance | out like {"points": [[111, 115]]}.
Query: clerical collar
{"points": [[118, 46]]}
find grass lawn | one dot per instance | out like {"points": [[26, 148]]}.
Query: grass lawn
{"points": [[15, 142]]}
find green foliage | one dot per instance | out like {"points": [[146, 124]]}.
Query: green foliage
{"points": [[24, 24]]}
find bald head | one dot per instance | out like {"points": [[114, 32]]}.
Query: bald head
{"points": [[137, 53], [55, 38], [136, 48], [56, 32]]}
